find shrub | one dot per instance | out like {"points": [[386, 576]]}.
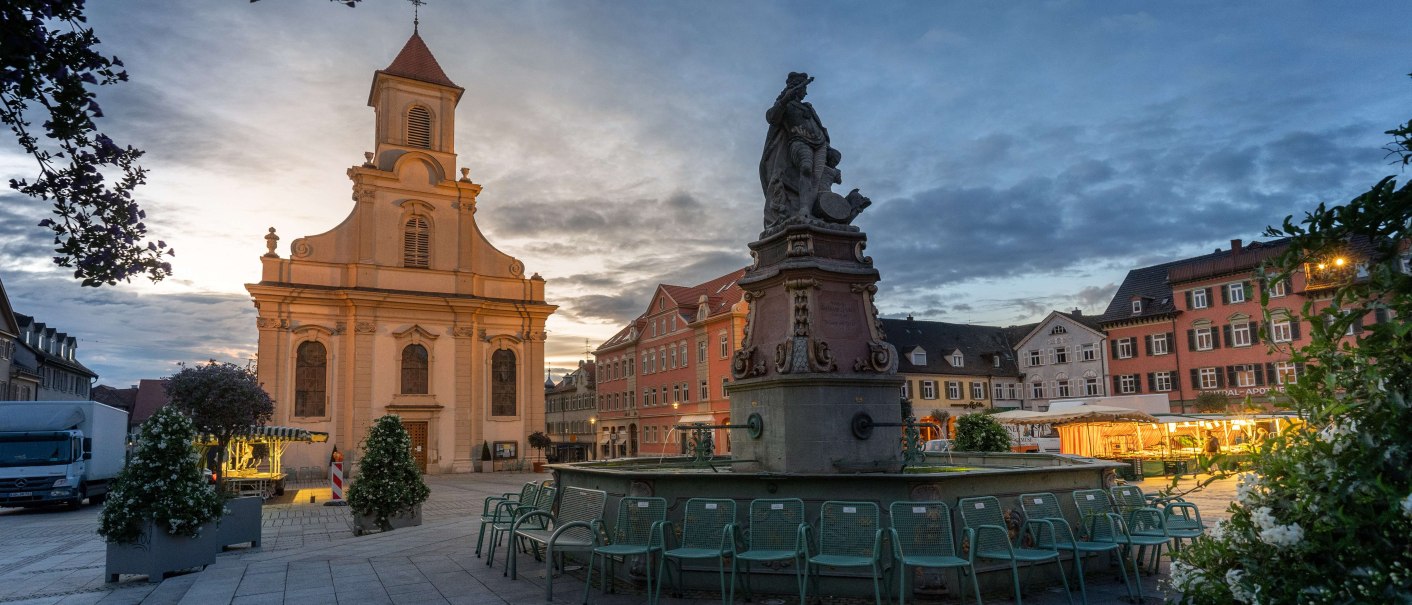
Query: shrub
{"points": [[388, 482], [222, 399], [981, 433], [162, 482]]}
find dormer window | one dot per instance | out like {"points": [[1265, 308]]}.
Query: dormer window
{"points": [[1059, 330], [1137, 306], [957, 360], [419, 127], [997, 360], [919, 357], [416, 243]]}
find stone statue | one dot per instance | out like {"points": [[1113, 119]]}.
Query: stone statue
{"points": [[798, 167]]}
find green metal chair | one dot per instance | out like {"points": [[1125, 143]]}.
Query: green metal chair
{"points": [[637, 531], [499, 508], [1182, 518], [983, 515], [543, 501], [922, 536], [574, 526], [1146, 524], [1101, 524], [1046, 506], [703, 536], [775, 533], [849, 535]]}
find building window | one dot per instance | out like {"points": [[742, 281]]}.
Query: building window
{"points": [[1206, 378], [502, 383], [978, 390], [681, 353], [1137, 306], [1062, 389], [414, 370], [1091, 386], [1127, 384], [1036, 358], [416, 243], [1159, 344], [1286, 372], [1124, 348], [1198, 299], [1088, 352], [419, 127], [674, 358], [997, 360], [1036, 390], [1061, 355], [724, 381], [310, 379], [1235, 293], [906, 389], [676, 392], [1245, 375], [1280, 331], [1203, 339], [1162, 381], [725, 346], [701, 351], [1059, 330], [919, 357], [1240, 334], [953, 389], [928, 389], [705, 391], [957, 360], [1278, 289], [674, 323]]}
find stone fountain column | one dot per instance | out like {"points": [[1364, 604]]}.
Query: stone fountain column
{"points": [[814, 357]]}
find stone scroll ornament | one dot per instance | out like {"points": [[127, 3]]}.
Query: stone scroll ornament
{"points": [[798, 167]]}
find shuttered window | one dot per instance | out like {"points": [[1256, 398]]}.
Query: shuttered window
{"points": [[310, 379], [419, 128], [416, 243]]}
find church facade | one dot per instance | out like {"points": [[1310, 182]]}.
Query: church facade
{"points": [[404, 307]]}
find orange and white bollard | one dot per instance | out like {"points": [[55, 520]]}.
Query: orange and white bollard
{"points": [[336, 480]]}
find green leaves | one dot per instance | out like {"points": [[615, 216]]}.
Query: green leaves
{"points": [[388, 481]]}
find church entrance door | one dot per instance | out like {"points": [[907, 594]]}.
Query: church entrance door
{"points": [[418, 432]]}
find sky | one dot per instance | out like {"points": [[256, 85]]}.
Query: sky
{"points": [[1021, 157]]}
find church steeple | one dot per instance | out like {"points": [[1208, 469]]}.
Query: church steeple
{"points": [[416, 108]]}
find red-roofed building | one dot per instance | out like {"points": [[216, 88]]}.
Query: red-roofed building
{"points": [[670, 367]]}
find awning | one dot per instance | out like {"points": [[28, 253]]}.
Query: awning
{"points": [[1082, 413], [707, 418], [274, 433]]}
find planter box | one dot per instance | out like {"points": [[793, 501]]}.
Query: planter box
{"points": [[487, 466], [363, 524], [157, 552], [242, 524]]}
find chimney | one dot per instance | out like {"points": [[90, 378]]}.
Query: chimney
{"points": [[909, 317], [1235, 247], [1078, 312]]}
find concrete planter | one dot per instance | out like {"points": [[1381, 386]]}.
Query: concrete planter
{"points": [[363, 524], [242, 524], [157, 552], [487, 466]]}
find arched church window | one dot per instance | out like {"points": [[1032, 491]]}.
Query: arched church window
{"points": [[414, 370], [310, 379], [502, 383], [419, 127], [416, 243]]}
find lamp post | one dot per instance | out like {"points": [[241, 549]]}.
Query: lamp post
{"points": [[593, 432], [681, 437]]}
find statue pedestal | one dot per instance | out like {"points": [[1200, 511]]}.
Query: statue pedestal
{"points": [[814, 357]]}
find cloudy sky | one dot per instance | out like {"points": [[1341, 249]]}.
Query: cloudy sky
{"points": [[1021, 156]]}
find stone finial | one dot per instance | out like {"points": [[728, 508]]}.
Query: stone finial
{"points": [[271, 242], [465, 175], [368, 160]]}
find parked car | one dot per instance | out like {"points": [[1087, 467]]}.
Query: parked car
{"points": [[937, 446]]}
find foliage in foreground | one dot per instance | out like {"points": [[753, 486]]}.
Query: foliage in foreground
{"points": [[161, 482], [1326, 514], [388, 482], [981, 433], [222, 399]]}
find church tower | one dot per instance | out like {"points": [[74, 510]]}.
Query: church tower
{"points": [[404, 307]]}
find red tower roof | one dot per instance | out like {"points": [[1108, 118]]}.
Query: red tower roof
{"points": [[416, 62]]}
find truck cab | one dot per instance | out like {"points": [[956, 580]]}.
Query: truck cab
{"points": [[59, 452], [41, 467]]}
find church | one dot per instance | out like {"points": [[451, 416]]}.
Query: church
{"points": [[404, 307]]}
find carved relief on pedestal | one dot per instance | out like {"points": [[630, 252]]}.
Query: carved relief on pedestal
{"points": [[882, 357], [802, 352], [754, 260], [743, 363], [858, 253], [365, 327], [271, 323], [801, 244], [463, 331]]}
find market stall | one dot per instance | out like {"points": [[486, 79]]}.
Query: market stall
{"points": [[253, 459]]}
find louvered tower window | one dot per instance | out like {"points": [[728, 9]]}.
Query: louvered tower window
{"points": [[416, 243], [419, 127]]}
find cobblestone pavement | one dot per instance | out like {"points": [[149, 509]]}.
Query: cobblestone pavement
{"points": [[309, 556]]}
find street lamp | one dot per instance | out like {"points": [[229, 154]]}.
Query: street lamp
{"points": [[593, 432], [681, 436]]}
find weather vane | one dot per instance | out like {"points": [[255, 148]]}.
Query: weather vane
{"points": [[416, 13]]}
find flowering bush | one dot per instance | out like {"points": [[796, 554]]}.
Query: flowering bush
{"points": [[1326, 514], [388, 482], [162, 482], [981, 433]]}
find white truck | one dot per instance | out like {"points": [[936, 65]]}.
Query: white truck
{"points": [[59, 452]]}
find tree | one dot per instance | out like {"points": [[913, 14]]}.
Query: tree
{"points": [[48, 63], [538, 440], [981, 433], [388, 482], [223, 400], [1325, 514], [1211, 402], [161, 483]]}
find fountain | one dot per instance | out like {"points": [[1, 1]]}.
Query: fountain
{"points": [[815, 379]]}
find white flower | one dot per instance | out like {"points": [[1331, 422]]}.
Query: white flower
{"points": [[1218, 530], [1407, 506], [1282, 536], [1263, 518], [1184, 577], [1247, 486], [1239, 592]]}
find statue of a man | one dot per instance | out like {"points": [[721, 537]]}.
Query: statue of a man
{"points": [[798, 167]]}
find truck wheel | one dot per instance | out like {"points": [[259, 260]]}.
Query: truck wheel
{"points": [[77, 502], [98, 499]]}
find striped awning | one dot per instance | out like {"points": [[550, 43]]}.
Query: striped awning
{"points": [[276, 433]]}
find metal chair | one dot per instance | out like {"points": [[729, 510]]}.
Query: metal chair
{"points": [[543, 501], [1101, 524], [1146, 525], [983, 514], [703, 536], [1182, 518], [501, 509], [573, 527], [1046, 506], [849, 535], [637, 531], [921, 535], [775, 533]]}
